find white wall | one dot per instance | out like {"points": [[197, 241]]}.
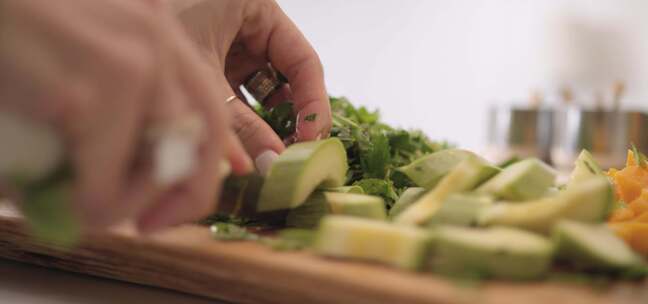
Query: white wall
{"points": [[436, 65]]}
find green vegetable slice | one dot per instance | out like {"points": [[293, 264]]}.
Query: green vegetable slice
{"points": [[320, 204], [525, 180], [428, 170], [584, 168], [300, 169], [497, 253], [464, 177], [593, 247], [461, 209], [587, 201], [409, 196], [348, 237]]}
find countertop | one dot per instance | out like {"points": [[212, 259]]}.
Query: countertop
{"points": [[23, 283]]}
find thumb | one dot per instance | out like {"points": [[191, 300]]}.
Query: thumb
{"points": [[259, 140]]}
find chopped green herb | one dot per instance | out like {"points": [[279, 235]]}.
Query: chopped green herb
{"points": [[231, 232], [281, 118], [374, 149], [285, 240], [311, 117], [232, 219], [379, 187]]}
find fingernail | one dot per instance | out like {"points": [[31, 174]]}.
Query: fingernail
{"points": [[264, 161], [225, 168]]}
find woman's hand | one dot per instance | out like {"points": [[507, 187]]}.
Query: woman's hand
{"points": [[240, 37], [101, 72]]}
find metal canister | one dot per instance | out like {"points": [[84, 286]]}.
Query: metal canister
{"points": [[607, 134], [519, 131]]}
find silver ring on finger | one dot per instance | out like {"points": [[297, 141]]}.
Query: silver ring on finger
{"points": [[263, 83]]}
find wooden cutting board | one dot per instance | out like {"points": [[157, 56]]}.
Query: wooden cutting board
{"points": [[187, 259]]}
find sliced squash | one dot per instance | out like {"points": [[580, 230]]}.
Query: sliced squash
{"points": [[299, 170]]}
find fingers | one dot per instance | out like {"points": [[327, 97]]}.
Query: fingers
{"points": [[102, 158], [196, 198], [274, 35], [152, 170], [255, 134]]}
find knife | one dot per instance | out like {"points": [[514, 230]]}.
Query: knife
{"points": [[35, 173]]}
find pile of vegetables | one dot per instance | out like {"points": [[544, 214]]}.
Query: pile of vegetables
{"points": [[374, 149], [375, 193], [630, 216]]}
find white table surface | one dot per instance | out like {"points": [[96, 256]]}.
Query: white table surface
{"points": [[27, 284]]}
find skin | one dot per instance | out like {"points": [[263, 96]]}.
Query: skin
{"points": [[101, 71], [240, 37]]}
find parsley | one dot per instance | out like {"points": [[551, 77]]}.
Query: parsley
{"points": [[231, 232], [285, 240], [281, 118], [311, 117], [374, 149]]}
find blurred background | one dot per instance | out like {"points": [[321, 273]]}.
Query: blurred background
{"points": [[440, 65]]}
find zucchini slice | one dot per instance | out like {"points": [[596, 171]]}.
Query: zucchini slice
{"points": [[409, 196], [428, 170], [584, 168], [464, 177], [300, 169], [498, 252], [349, 237], [593, 247], [461, 209], [525, 180], [587, 201], [320, 204]]}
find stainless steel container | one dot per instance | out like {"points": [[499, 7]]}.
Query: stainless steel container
{"points": [[607, 134], [519, 131]]}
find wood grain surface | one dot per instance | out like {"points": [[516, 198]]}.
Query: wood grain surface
{"points": [[187, 259]]}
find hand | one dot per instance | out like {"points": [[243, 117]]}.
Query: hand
{"points": [[241, 36], [100, 72]]}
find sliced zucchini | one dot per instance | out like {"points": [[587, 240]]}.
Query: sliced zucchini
{"points": [[498, 252], [461, 209], [584, 168], [464, 177], [593, 247], [300, 169], [361, 205], [409, 196], [320, 204], [525, 180], [348, 237], [309, 214], [428, 170], [587, 201]]}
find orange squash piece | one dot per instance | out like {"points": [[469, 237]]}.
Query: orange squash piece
{"points": [[629, 183], [634, 233], [643, 218], [622, 215], [640, 205]]}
